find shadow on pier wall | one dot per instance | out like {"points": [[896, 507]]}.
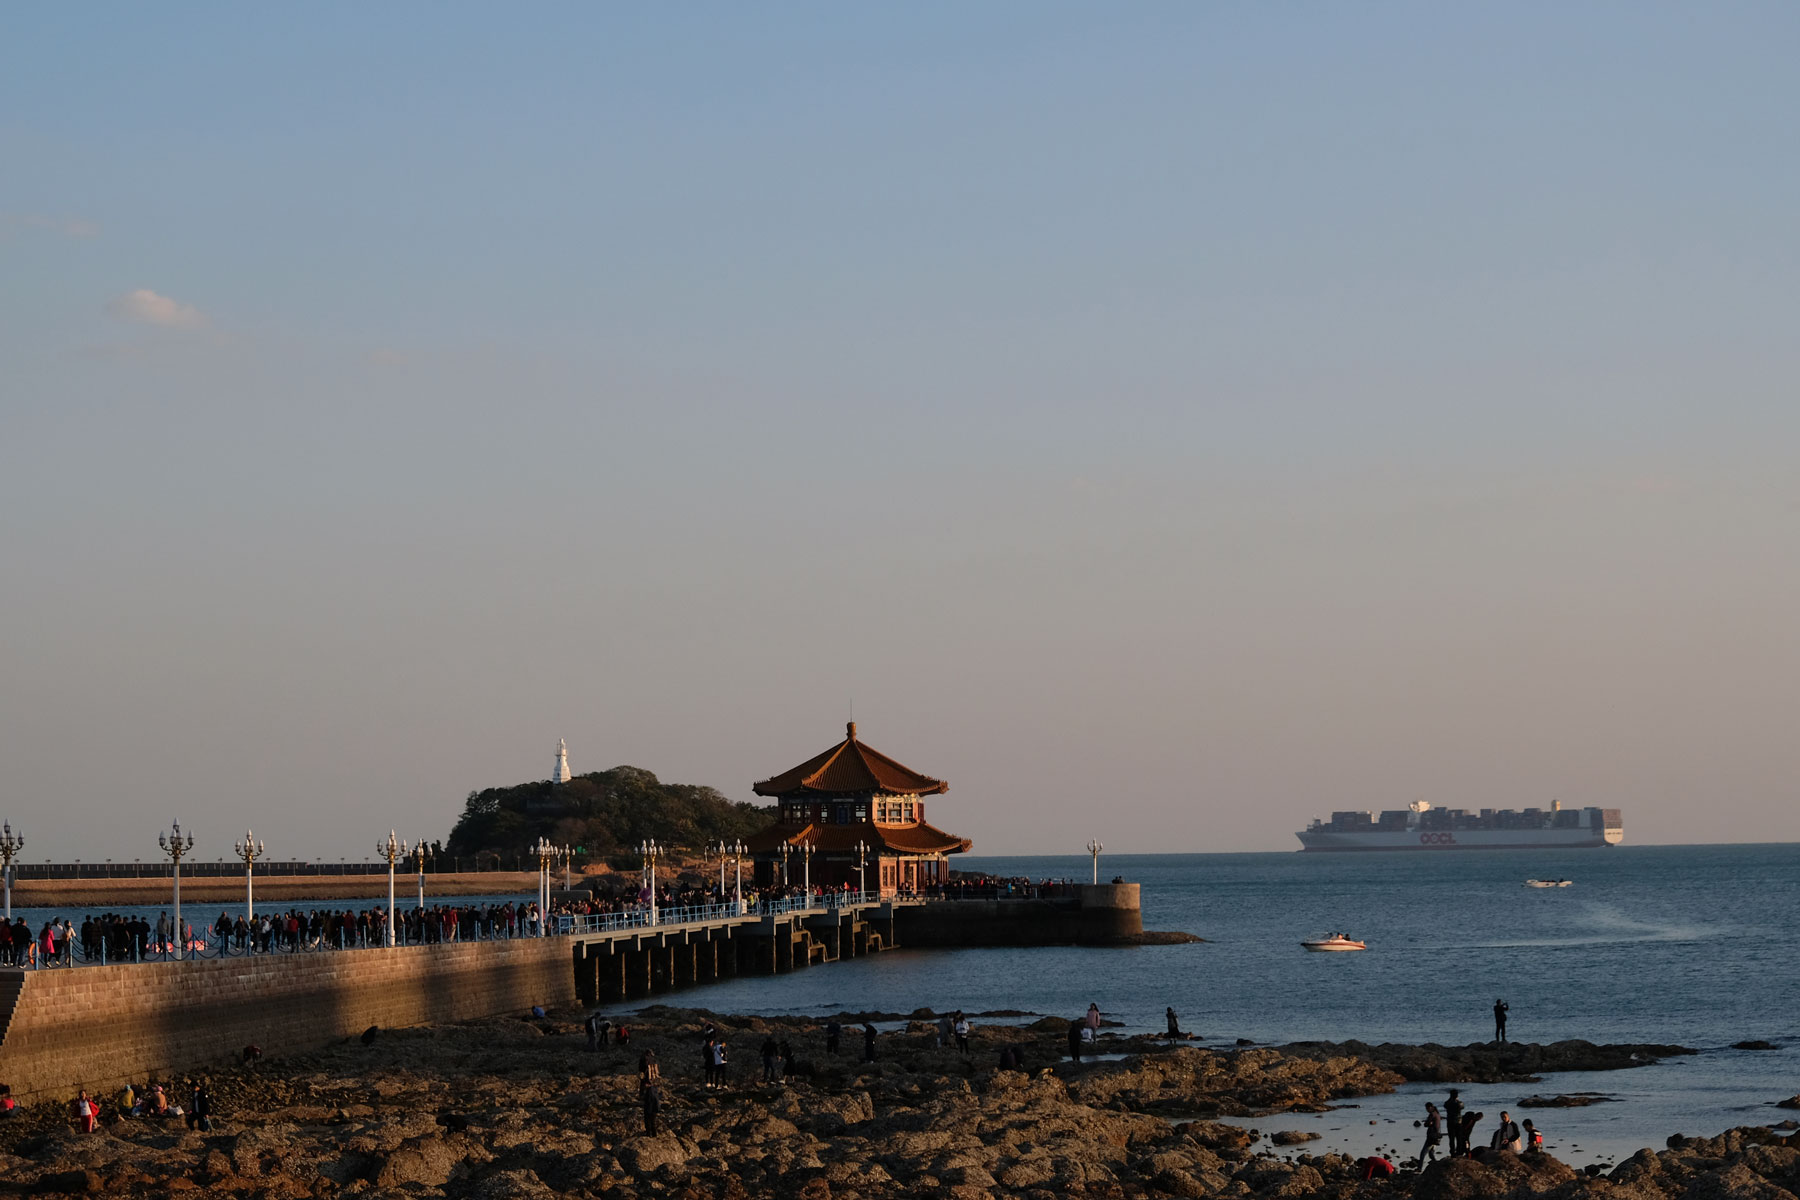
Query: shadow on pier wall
{"points": [[99, 1027]]}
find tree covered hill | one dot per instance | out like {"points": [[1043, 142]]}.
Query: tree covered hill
{"points": [[601, 814]]}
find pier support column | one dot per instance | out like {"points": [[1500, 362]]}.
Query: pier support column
{"points": [[639, 972], [685, 964], [587, 974]]}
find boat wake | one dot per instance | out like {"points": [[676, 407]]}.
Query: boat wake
{"points": [[1602, 925]]}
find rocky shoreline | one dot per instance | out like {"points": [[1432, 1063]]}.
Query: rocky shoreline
{"points": [[517, 1109]]}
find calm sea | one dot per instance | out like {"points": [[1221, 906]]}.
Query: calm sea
{"points": [[1685, 944]]}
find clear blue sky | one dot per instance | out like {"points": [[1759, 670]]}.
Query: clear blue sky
{"points": [[1166, 422]]}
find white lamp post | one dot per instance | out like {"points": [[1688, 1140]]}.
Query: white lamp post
{"points": [[176, 844], [249, 850], [651, 852], [784, 849], [806, 849], [419, 865], [862, 884], [568, 857], [10, 845], [1094, 848], [724, 850], [737, 858], [546, 854], [392, 850]]}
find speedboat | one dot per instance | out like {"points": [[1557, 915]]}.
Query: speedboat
{"points": [[1548, 882], [1336, 941]]}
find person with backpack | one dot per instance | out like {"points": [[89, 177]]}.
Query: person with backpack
{"points": [[1533, 1139]]}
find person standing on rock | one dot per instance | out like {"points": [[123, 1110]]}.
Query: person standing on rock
{"points": [[649, 1090], [945, 1026], [708, 1063], [868, 1041], [85, 1111], [833, 1031], [1500, 1010], [1093, 1018], [1075, 1028], [1507, 1136], [1453, 1113], [962, 1034], [771, 1056], [1533, 1139], [1174, 1025], [1434, 1133]]}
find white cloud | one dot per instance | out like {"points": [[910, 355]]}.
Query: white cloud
{"points": [[149, 308]]}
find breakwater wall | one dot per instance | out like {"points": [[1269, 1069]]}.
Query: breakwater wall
{"points": [[1094, 915], [97, 1027]]}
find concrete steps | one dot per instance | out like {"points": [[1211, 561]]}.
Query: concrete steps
{"points": [[12, 984]]}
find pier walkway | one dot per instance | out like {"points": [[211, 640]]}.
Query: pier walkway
{"points": [[623, 956]]}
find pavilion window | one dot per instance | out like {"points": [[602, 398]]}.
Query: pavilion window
{"points": [[862, 812]]}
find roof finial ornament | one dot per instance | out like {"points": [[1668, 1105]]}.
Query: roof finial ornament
{"points": [[850, 728]]}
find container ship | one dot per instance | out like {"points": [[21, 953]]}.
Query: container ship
{"points": [[1422, 827]]}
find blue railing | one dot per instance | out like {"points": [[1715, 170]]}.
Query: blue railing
{"points": [[207, 943]]}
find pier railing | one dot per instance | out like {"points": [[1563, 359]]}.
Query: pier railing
{"points": [[434, 929]]}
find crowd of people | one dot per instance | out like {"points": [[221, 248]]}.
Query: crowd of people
{"points": [[117, 937]]}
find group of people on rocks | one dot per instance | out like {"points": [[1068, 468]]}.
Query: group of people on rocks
{"points": [[192, 1102], [1460, 1124]]}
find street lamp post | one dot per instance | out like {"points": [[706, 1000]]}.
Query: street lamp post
{"points": [[806, 849], [392, 850], [737, 858], [784, 848], [862, 884], [724, 850], [176, 844], [568, 857], [1094, 848], [546, 854], [10, 845], [249, 850], [651, 852], [419, 864]]}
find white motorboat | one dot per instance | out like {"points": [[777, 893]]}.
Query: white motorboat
{"points": [[1336, 941], [1548, 882]]}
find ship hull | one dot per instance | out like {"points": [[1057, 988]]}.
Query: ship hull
{"points": [[1458, 839]]}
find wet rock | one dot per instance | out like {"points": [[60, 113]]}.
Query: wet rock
{"points": [[1735, 1182], [1571, 1100], [643, 1155], [1754, 1044], [1501, 1174], [1293, 1137]]}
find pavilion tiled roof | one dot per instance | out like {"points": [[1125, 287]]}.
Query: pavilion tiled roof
{"points": [[851, 769], [895, 839]]}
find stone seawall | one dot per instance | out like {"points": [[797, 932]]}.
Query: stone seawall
{"points": [[97, 1027], [1096, 915]]}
